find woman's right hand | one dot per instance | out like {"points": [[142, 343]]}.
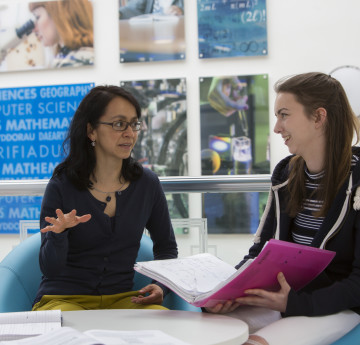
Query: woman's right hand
{"points": [[64, 221], [223, 308]]}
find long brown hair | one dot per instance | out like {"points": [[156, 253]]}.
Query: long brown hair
{"points": [[318, 90], [73, 20]]}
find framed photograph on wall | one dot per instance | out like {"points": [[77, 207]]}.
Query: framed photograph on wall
{"points": [[232, 28], [33, 125], [46, 34], [162, 142], [234, 120], [151, 30]]}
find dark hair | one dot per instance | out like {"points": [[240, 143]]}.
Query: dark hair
{"points": [[80, 161], [318, 90]]}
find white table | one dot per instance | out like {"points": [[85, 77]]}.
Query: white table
{"points": [[192, 327]]}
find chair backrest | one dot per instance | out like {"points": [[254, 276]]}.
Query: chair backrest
{"points": [[20, 276], [145, 254]]}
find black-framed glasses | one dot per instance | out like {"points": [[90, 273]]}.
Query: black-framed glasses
{"points": [[121, 125]]}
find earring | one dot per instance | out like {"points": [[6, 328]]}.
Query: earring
{"points": [[93, 143]]}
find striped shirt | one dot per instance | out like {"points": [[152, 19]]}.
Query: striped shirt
{"points": [[306, 225]]}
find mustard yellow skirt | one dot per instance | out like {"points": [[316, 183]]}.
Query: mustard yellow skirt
{"points": [[89, 302]]}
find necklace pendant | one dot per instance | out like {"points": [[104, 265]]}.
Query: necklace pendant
{"points": [[108, 198]]}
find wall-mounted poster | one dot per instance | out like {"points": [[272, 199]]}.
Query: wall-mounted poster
{"points": [[234, 114], [151, 30], [33, 126], [229, 28], [46, 34], [162, 142]]}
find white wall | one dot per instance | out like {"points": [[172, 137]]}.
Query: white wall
{"points": [[303, 36]]}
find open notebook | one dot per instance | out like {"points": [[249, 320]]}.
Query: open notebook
{"points": [[18, 325], [205, 280]]}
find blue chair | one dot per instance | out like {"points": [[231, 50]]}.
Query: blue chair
{"points": [[20, 277], [350, 338]]}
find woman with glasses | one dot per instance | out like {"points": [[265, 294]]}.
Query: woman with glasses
{"points": [[95, 209]]}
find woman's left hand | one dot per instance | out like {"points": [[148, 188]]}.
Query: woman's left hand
{"points": [[272, 300], [155, 295]]}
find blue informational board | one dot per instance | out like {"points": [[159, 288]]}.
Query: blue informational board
{"points": [[229, 28], [33, 125]]}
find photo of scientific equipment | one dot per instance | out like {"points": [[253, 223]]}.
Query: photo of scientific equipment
{"points": [[234, 141], [162, 142], [234, 125]]}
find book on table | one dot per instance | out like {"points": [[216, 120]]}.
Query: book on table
{"points": [[204, 280], [18, 325]]}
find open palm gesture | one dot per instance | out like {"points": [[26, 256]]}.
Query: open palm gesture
{"points": [[64, 221]]}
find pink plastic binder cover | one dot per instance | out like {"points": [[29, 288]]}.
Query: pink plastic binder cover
{"points": [[299, 263]]}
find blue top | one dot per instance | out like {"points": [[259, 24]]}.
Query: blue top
{"points": [[94, 258]]}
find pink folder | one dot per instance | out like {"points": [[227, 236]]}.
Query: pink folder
{"points": [[299, 263]]}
